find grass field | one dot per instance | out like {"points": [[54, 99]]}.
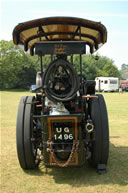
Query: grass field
{"points": [[72, 180]]}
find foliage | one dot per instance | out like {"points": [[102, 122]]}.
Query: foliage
{"points": [[124, 67], [124, 71], [93, 68], [18, 69]]}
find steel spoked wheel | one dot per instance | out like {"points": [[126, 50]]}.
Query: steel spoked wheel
{"points": [[27, 134], [100, 146]]}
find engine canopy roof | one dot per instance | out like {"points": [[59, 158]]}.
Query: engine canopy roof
{"points": [[60, 29]]}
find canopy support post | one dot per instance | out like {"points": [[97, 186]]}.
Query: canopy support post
{"points": [[81, 68], [72, 59], [41, 63], [80, 59], [78, 28], [42, 33], [51, 58]]}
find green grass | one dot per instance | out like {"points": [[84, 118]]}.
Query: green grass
{"points": [[65, 180]]}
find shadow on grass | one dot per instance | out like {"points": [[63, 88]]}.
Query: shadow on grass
{"points": [[117, 172]]}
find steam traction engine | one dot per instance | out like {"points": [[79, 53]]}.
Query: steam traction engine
{"points": [[65, 123]]}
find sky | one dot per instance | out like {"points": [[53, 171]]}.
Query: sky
{"points": [[111, 13]]}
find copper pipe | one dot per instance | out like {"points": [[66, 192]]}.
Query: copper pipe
{"points": [[89, 96]]}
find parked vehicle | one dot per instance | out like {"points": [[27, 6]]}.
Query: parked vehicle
{"points": [[65, 123], [107, 84], [124, 85], [32, 88]]}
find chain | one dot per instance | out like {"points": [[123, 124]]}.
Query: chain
{"points": [[71, 156]]}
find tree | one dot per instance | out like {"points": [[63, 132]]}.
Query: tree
{"points": [[111, 70], [124, 71], [92, 68], [124, 67], [17, 69]]}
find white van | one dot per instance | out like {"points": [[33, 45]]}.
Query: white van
{"points": [[107, 84]]}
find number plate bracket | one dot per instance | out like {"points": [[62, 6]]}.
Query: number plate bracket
{"points": [[63, 129]]}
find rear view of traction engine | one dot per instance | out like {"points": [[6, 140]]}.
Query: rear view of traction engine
{"points": [[65, 124]]}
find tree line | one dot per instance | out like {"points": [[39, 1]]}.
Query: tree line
{"points": [[18, 69]]}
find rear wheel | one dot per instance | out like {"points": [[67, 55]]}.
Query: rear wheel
{"points": [[26, 134], [100, 146], [20, 132]]}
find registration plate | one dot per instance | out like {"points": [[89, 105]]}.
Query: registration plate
{"points": [[63, 131]]}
